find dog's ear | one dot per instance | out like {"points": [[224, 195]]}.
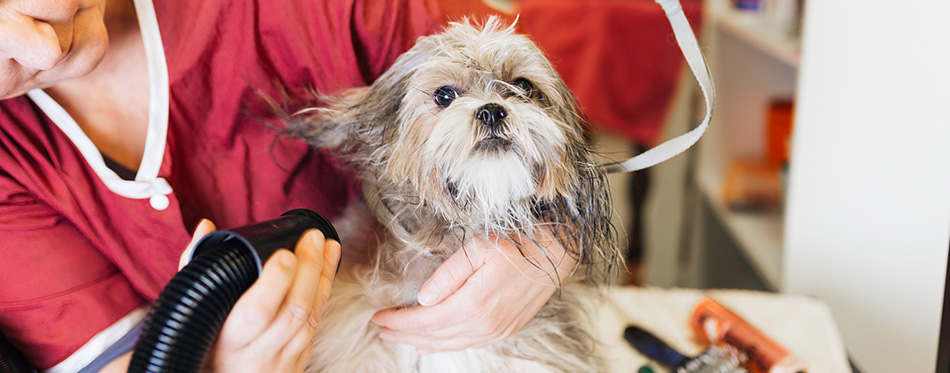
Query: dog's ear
{"points": [[582, 208], [595, 210], [358, 120], [562, 105], [334, 126]]}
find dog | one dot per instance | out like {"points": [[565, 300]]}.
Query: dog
{"points": [[470, 134]]}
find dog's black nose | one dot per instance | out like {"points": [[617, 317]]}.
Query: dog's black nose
{"points": [[491, 114]]}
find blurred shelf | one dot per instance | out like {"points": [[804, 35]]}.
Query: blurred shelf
{"points": [[758, 33], [753, 61], [759, 235]]}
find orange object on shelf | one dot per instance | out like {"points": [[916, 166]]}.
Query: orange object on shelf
{"points": [[781, 115], [753, 185], [717, 325]]}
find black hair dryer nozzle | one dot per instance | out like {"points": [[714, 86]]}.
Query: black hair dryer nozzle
{"points": [[182, 325]]}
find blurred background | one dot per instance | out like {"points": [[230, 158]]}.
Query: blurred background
{"points": [[825, 171]]}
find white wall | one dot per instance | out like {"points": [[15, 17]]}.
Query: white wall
{"points": [[868, 216]]}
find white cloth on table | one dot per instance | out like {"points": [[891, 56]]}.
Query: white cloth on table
{"points": [[803, 325]]}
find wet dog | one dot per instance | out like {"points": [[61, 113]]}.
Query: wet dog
{"points": [[470, 134]]}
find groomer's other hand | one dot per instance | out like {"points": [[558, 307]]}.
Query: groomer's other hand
{"points": [[205, 226], [479, 296], [271, 327]]}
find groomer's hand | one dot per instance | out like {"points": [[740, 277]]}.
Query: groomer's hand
{"points": [[480, 298], [271, 327]]}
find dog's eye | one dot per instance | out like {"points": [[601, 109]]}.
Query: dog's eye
{"points": [[527, 89], [445, 95]]}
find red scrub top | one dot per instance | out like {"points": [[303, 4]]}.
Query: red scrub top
{"points": [[75, 256]]}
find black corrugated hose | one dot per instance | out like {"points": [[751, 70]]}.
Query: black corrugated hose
{"points": [[185, 320]]}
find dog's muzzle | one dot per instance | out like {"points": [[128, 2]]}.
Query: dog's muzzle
{"points": [[491, 115]]}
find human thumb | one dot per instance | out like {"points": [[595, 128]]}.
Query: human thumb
{"points": [[205, 226], [448, 278]]}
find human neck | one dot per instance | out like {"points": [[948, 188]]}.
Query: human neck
{"points": [[111, 103]]}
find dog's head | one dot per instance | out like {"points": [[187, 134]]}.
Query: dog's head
{"points": [[474, 124]]}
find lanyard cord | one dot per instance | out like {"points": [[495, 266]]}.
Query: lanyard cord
{"points": [[694, 57]]}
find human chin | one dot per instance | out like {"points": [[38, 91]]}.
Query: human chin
{"points": [[89, 44], [83, 57], [14, 80], [87, 49]]}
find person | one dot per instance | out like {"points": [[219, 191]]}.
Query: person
{"points": [[124, 125]]}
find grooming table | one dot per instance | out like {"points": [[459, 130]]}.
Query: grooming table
{"points": [[803, 325]]}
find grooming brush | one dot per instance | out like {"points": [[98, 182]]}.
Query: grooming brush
{"points": [[715, 359], [717, 325]]}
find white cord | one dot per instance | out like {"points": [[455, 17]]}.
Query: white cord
{"points": [[694, 57]]}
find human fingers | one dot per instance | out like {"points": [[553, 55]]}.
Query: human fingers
{"points": [[433, 338], [426, 345], [305, 337], [205, 226], [331, 260], [302, 359], [465, 330], [463, 320], [496, 301], [256, 309], [296, 310], [300, 346], [450, 276], [409, 318], [459, 314], [436, 320], [445, 281], [474, 325]]}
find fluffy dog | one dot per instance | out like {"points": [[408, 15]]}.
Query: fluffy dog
{"points": [[470, 134]]}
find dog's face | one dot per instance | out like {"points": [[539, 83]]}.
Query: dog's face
{"points": [[475, 125], [484, 121]]}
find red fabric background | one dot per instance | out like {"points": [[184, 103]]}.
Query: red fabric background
{"points": [[619, 57]]}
